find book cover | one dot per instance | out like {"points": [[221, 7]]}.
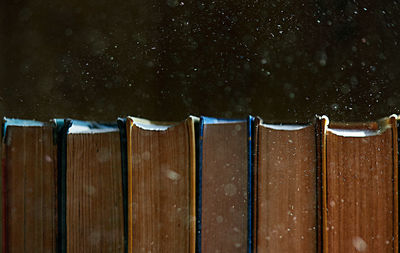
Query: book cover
{"points": [[124, 170], [93, 191], [224, 185], [286, 188], [161, 186], [360, 209], [29, 182]]}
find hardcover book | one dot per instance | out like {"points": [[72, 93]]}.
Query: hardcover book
{"points": [[161, 186], [224, 185], [29, 182], [93, 197], [286, 190], [360, 178]]}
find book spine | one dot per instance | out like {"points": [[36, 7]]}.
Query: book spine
{"points": [[61, 131], [250, 127], [255, 140], [398, 167], [192, 133], [4, 196], [199, 157], [320, 140], [124, 167], [395, 139], [130, 181]]}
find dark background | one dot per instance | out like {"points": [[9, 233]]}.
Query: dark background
{"points": [[165, 59]]}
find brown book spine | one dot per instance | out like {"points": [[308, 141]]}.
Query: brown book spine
{"points": [[361, 188], [395, 155], [286, 189], [29, 189], [224, 196], [94, 193], [161, 186], [4, 198]]}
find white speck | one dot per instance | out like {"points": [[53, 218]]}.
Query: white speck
{"points": [[173, 175], [220, 219], [230, 189], [359, 244], [146, 155], [48, 159], [89, 189]]}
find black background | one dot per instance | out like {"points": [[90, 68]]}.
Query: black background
{"points": [[282, 60]]}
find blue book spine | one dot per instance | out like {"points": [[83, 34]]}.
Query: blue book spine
{"points": [[124, 167], [199, 152], [250, 135], [199, 156]]}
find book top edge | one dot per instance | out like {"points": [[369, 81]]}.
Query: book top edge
{"points": [[210, 120], [89, 127], [151, 125], [285, 127], [20, 122]]}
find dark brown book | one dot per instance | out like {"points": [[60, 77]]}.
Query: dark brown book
{"points": [[360, 168], [223, 214], [161, 186], [94, 204], [29, 187], [286, 190]]}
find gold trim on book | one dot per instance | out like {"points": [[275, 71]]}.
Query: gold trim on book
{"points": [[190, 122], [393, 122], [129, 123], [324, 125]]}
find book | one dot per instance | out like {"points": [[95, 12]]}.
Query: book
{"points": [[121, 122], [285, 188], [360, 182], [29, 187], [224, 185], [161, 186], [93, 191]]}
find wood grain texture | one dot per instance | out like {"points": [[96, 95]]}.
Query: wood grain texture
{"points": [[29, 190], [361, 193], [94, 193], [224, 188], [287, 191], [160, 188]]}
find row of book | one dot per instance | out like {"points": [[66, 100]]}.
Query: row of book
{"points": [[201, 185]]}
